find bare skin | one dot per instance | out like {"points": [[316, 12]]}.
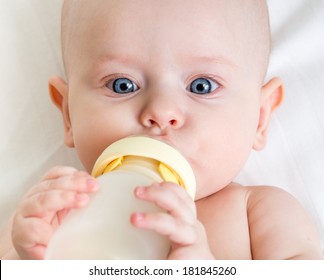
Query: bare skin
{"points": [[196, 84]]}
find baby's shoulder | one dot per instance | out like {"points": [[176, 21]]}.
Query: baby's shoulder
{"points": [[262, 196], [255, 202], [253, 195], [276, 216], [266, 218]]}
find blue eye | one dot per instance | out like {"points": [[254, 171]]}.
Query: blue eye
{"points": [[203, 86], [123, 86]]}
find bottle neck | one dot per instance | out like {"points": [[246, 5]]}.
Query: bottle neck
{"points": [[146, 166]]}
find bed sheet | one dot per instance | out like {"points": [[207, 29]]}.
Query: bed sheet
{"points": [[31, 138]]}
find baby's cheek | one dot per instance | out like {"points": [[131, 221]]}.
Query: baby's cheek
{"points": [[88, 154]]}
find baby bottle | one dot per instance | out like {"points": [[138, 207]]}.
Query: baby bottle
{"points": [[102, 229]]}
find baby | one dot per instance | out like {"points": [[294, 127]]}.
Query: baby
{"points": [[190, 73]]}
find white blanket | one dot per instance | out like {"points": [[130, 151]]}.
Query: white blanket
{"points": [[31, 138]]}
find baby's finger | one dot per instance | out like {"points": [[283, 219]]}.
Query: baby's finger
{"points": [[180, 192], [42, 203], [60, 171], [171, 198], [31, 237], [163, 223], [77, 182]]}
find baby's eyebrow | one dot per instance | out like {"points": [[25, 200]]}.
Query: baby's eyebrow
{"points": [[184, 59], [120, 58], [203, 59], [99, 63], [128, 59]]}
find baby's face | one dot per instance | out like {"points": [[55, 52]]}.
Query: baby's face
{"points": [[182, 74]]}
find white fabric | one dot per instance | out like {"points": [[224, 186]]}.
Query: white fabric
{"points": [[31, 138]]}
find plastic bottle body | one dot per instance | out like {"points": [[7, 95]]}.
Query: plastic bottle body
{"points": [[103, 230]]}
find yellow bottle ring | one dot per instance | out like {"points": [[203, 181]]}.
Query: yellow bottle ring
{"points": [[173, 167]]}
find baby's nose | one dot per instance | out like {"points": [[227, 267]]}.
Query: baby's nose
{"points": [[162, 112]]}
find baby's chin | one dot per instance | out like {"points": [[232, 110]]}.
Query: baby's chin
{"points": [[208, 187]]}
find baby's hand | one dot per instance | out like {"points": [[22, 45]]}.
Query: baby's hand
{"points": [[179, 223], [45, 205]]}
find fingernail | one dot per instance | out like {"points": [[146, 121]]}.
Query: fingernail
{"points": [[81, 197], [139, 191], [92, 184], [139, 217]]}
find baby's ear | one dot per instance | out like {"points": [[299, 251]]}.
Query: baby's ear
{"points": [[271, 97], [59, 90]]}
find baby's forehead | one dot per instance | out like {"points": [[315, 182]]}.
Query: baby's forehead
{"points": [[246, 19], [230, 11]]}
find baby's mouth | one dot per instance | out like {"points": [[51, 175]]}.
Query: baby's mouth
{"points": [[163, 138]]}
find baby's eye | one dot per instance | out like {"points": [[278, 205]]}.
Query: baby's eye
{"points": [[122, 86], [203, 86]]}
